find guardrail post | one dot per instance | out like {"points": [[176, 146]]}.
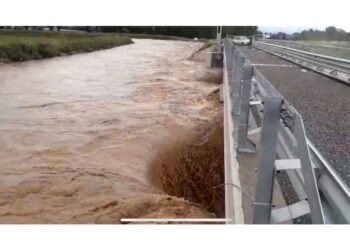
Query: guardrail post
{"points": [[233, 65], [243, 145], [236, 82], [310, 183], [266, 160], [228, 57], [228, 47]]}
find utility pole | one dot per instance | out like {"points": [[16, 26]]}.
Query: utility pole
{"points": [[218, 36]]}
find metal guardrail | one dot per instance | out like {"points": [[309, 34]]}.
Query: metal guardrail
{"points": [[330, 66], [332, 49], [312, 47], [283, 146]]}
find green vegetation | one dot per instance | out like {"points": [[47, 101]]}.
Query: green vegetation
{"points": [[181, 31], [22, 44], [206, 45], [16, 45], [329, 34]]}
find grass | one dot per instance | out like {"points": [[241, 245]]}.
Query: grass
{"points": [[27, 45]]}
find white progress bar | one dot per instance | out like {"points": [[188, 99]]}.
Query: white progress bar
{"points": [[174, 220]]}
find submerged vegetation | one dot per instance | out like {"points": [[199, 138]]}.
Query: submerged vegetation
{"points": [[206, 45], [23, 45]]}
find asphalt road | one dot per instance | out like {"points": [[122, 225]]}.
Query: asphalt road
{"points": [[324, 104]]}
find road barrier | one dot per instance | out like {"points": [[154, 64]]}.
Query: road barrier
{"points": [[334, 49], [330, 66], [280, 142]]}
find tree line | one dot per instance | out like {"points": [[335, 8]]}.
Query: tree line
{"points": [[183, 31], [331, 33]]}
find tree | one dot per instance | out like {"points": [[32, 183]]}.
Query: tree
{"points": [[279, 36], [183, 31], [331, 32]]}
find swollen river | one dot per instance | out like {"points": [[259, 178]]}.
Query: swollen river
{"points": [[88, 138]]}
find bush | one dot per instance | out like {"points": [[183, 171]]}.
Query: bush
{"points": [[47, 50]]}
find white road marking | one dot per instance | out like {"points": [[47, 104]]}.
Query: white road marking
{"points": [[275, 65]]}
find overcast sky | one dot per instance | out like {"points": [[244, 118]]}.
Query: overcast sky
{"points": [[292, 29]]}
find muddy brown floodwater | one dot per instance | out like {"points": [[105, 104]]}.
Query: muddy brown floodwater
{"points": [[133, 131]]}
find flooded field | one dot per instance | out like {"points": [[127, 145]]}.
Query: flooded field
{"points": [[118, 133]]}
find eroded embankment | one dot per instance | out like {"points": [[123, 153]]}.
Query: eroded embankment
{"points": [[131, 132], [194, 169]]}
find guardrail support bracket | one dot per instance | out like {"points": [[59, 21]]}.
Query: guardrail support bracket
{"points": [[290, 212]]}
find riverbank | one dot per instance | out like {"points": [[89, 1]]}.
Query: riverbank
{"points": [[161, 37], [28, 45]]}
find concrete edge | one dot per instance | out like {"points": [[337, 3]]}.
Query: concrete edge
{"points": [[233, 193]]}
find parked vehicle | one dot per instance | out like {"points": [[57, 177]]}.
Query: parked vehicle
{"points": [[240, 40]]}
